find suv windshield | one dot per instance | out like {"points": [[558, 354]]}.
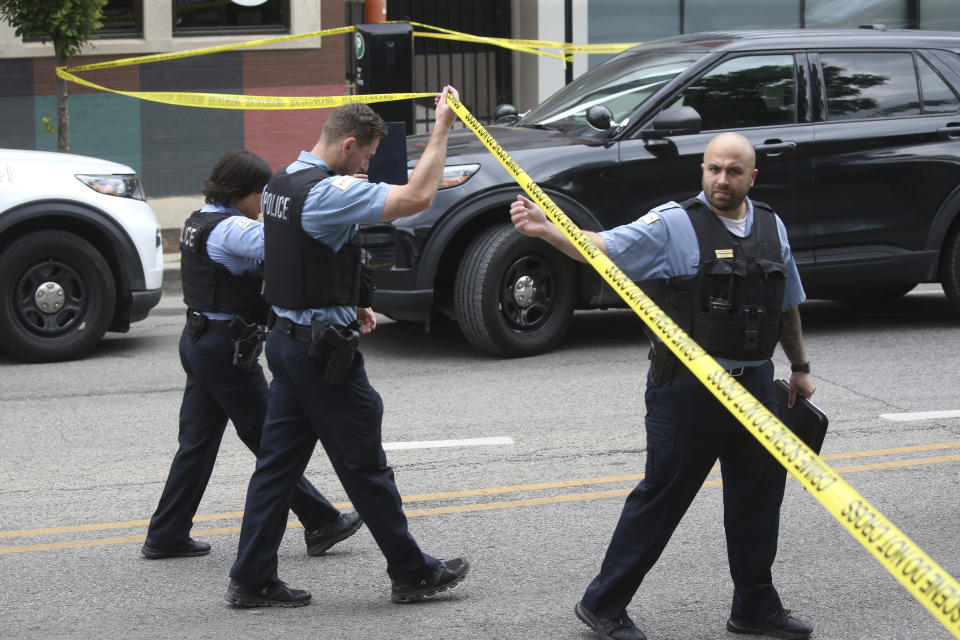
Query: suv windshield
{"points": [[622, 84]]}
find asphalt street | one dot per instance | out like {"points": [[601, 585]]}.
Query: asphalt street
{"points": [[87, 444]]}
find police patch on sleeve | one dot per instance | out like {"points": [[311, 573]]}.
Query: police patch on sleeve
{"points": [[343, 182], [650, 218], [243, 223]]}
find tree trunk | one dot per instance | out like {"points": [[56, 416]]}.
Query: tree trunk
{"points": [[63, 116]]}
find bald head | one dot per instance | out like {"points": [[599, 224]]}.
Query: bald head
{"points": [[732, 144], [729, 169]]}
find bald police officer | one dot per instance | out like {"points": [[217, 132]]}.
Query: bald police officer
{"points": [[731, 282]]}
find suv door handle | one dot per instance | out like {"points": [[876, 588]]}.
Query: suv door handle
{"points": [[774, 148], [950, 132]]}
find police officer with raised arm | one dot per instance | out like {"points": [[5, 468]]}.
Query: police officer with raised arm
{"points": [[730, 281], [320, 391], [221, 266]]}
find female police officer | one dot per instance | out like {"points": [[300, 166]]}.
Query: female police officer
{"points": [[222, 261]]}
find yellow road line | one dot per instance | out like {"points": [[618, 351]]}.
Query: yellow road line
{"points": [[463, 493], [454, 509]]}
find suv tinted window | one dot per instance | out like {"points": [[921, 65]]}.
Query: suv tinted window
{"points": [[937, 96], [622, 84], [749, 91], [870, 85]]}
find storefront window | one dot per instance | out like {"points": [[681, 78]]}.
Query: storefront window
{"points": [[707, 15], [941, 15], [121, 19], [852, 13], [206, 17]]}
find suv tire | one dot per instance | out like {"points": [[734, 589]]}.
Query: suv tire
{"points": [[64, 271], [514, 295], [950, 268]]}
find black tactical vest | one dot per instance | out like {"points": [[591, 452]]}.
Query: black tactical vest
{"points": [[299, 271], [731, 305], [208, 285]]}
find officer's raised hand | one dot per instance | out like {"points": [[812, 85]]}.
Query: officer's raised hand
{"points": [[528, 218], [445, 116], [417, 194]]}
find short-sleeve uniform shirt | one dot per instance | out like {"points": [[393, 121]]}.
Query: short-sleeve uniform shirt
{"points": [[236, 243], [332, 213], [663, 244]]}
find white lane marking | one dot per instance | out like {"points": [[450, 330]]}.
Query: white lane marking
{"points": [[436, 444], [921, 415]]}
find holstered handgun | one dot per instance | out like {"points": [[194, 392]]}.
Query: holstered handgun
{"points": [[196, 324], [247, 338], [663, 365], [335, 347]]}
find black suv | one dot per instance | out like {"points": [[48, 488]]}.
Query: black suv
{"points": [[858, 146]]}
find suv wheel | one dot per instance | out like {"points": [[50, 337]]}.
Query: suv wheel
{"points": [[950, 268], [514, 295], [56, 296]]}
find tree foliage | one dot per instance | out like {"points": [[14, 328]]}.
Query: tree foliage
{"points": [[68, 25], [65, 23]]}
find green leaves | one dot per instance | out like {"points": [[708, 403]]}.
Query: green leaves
{"points": [[66, 23]]}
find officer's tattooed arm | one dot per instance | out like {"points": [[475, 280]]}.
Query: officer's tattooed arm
{"points": [[791, 340]]}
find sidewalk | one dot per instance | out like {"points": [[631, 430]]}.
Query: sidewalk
{"points": [[171, 272]]}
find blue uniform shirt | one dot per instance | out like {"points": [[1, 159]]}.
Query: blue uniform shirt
{"points": [[663, 244], [332, 213], [236, 243]]}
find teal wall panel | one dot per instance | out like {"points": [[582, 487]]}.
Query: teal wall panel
{"points": [[101, 125]]}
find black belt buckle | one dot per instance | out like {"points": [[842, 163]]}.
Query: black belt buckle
{"points": [[736, 372]]}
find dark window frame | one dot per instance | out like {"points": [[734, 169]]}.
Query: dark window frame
{"points": [[192, 32], [920, 62], [135, 32]]}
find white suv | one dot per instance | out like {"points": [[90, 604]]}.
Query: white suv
{"points": [[80, 253]]}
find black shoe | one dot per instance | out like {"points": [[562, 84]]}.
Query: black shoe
{"points": [[780, 625], [191, 547], [621, 628], [447, 575], [278, 595], [331, 533]]}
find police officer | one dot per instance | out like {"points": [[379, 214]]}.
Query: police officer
{"points": [[731, 282], [221, 266], [320, 391]]}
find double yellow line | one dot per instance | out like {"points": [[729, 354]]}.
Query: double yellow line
{"points": [[550, 488]]}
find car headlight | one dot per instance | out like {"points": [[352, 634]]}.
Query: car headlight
{"points": [[453, 174], [124, 185]]}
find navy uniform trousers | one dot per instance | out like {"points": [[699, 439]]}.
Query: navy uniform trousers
{"points": [[346, 420], [215, 391], [687, 431]]}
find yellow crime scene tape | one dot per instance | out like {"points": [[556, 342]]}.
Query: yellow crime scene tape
{"points": [[253, 102], [916, 571]]}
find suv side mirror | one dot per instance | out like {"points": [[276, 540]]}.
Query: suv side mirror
{"points": [[600, 117], [675, 121], [505, 114]]}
